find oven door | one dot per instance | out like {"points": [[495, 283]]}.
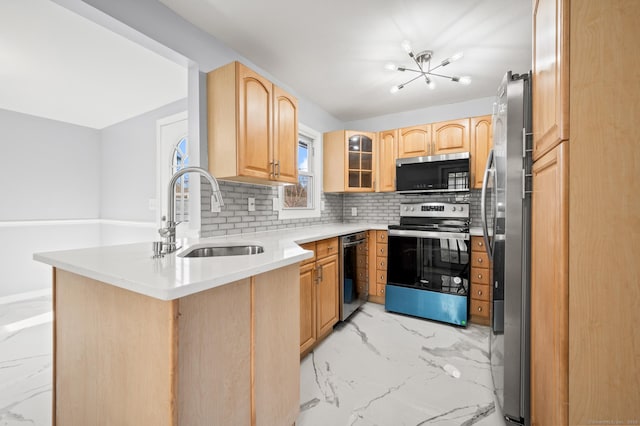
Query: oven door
{"points": [[428, 274]]}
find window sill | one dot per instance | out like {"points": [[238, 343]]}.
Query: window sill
{"points": [[298, 213]]}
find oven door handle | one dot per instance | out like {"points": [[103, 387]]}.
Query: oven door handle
{"points": [[483, 204], [354, 243], [428, 234]]}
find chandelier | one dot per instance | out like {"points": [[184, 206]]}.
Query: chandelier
{"points": [[423, 62]]}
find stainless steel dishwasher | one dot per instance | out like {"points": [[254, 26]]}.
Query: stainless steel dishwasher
{"points": [[354, 289]]}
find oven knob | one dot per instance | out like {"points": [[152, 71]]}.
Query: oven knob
{"points": [[412, 209], [406, 208], [461, 208], [454, 209]]}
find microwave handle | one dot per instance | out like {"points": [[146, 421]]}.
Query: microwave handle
{"points": [[483, 205]]}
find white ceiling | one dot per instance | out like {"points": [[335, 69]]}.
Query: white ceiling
{"points": [[59, 65], [333, 52]]}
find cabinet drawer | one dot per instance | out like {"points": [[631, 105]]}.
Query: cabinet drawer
{"points": [[381, 263], [381, 250], [312, 247], [326, 248], [480, 308], [380, 289], [480, 292], [477, 244], [480, 275], [479, 260], [381, 277], [381, 236]]}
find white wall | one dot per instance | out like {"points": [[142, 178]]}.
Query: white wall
{"points": [[128, 164], [50, 169], [151, 19], [475, 107]]}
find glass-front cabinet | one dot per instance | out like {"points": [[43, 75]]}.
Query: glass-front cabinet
{"points": [[360, 161]]}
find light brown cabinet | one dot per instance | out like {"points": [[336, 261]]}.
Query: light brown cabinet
{"points": [[480, 289], [481, 143], [449, 137], [584, 273], [387, 155], [319, 293], [349, 161], [550, 85], [414, 141], [377, 265], [445, 137], [253, 127]]}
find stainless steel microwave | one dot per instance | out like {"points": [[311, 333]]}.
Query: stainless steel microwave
{"points": [[435, 173]]}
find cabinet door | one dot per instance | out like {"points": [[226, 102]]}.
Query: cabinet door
{"points": [[254, 124], [307, 307], [285, 136], [481, 143], [359, 173], [327, 294], [414, 141], [450, 136], [549, 289], [550, 75], [387, 154]]}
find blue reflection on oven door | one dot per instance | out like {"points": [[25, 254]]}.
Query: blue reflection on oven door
{"points": [[449, 308]]}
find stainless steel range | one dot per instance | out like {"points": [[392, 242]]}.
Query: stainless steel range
{"points": [[428, 267]]}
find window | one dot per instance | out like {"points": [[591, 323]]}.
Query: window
{"points": [[303, 199], [180, 160], [300, 195]]}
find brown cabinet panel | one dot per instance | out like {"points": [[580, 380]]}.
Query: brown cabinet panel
{"points": [[480, 275], [380, 289], [381, 277], [480, 308], [477, 244], [481, 143], [326, 248], [480, 292], [381, 249], [285, 136], [381, 263], [414, 141], [381, 236], [550, 75], [327, 295], [450, 137], [387, 154], [479, 260], [307, 307], [310, 247], [349, 163]]}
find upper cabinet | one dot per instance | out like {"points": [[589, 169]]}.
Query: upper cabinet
{"points": [[446, 137], [349, 161], [550, 75], [387, 154], [253, 127], [481, 143], [449, 137], [414, 141]]}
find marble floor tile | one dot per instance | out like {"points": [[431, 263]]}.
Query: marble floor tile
{"points": [[380, 368], [26, 362]]}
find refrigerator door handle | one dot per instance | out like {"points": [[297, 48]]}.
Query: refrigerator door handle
{"points": [[483, 205]]}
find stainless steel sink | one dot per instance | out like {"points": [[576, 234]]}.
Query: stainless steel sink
{"points": [[220, 250]]}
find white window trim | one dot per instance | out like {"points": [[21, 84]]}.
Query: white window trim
{"points": [[316, 137]]}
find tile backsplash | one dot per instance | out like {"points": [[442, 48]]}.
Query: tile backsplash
{"points": [[381, 208]]}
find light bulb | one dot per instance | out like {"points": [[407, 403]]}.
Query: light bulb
{"points": [[431, 85], [465, 80], [456, 57], [406, 45], [394, 89], [390, 66]]}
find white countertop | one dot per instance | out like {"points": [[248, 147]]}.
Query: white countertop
{"points": [[132, 267]]}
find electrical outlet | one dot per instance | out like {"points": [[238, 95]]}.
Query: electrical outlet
{"points": [[152, 203], [354, 211], [251, 204], [276, 204]]}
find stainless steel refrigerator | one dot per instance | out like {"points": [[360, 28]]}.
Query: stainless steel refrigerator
{"points": [[506, 195]]}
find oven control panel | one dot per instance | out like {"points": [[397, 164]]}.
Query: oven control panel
{"points": [[435, 210]]}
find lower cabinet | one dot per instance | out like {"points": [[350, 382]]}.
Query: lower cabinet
{"points": [[480, 291], [377, 266], [319, 293]]}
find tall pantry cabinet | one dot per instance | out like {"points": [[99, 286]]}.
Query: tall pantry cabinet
{"points": [[585, 367]]}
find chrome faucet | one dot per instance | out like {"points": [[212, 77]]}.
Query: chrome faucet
{"points": [[168, 233]]}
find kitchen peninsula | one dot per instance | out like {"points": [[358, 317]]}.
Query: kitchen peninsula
{"points": [[177, 340]]}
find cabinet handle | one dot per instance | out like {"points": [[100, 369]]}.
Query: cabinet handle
{"points": [[277, 164], [479, 292], [479, 276], [273, 169], [318, 274], [479, 308], [479, 260], [480, 243]]}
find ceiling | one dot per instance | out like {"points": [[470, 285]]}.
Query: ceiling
{"points": [[59, 65], [333, 52]]}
